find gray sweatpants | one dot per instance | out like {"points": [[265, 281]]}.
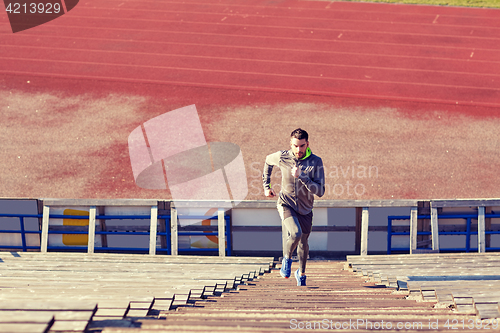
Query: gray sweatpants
{"points": [[293, 237]]}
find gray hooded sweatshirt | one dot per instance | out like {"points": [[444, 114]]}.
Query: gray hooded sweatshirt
{"points": [[296, 193]]}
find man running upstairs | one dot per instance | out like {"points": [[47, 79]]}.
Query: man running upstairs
{"points": [[302, 177]]}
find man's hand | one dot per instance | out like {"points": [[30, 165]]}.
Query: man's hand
{"points": [[296, 171], [269, 192]]}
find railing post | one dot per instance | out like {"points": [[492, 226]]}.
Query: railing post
{"points": [[23, 234], [389, 235], [413, 229], [173, 232], [153, 230], [434, 228], [481, 234], [45, 229], [364, 231], [91, 233], [222, 233], [357, 233]]}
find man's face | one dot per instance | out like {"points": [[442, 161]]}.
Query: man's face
{"points": [[299, 147]]}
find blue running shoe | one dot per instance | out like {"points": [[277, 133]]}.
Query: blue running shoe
{"points": [[301, 279], [286, 268]]}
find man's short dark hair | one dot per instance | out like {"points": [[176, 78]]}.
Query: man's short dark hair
{"points": [[300, 134]]}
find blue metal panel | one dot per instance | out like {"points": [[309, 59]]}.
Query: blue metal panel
{"points": [[201, 233], [467, 233], [167, 233]]}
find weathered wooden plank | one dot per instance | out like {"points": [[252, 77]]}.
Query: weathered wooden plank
{"points": [[112, 303], [428, 295], [486, 310], [141, 305], [69, 326], [444, 255], [62, 265], [450, 286], [73, 315], [99, 202], [132, 258], [162, 304], [444, 296], [137, 313], [118, 293], [90, 281], [332, 203], [483, 265], [32, 317], [478, 269], [257, 204], [110, 285], [365, 203], [24, 328], [119, 312], [203, 204], [96, 320], [76, 277], [49, 306], [464, 279], [465, 203]]}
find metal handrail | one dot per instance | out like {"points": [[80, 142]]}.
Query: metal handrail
{"points": [[167, 233], [468, 232]]}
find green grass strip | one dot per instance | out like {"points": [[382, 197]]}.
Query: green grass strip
{"points": [[459, 3]]}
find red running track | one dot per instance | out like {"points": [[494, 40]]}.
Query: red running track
{"points": [[378, 51]]}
